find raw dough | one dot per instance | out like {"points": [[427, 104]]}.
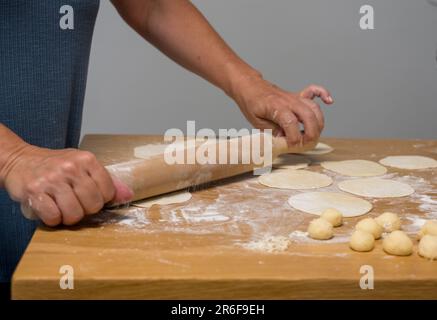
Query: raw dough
{"points": [[355, 168], [171, 198], [362, 241], [428, 247], [333, 216], [376, 188], [295, 179], [369, 225], [389, 221], [409, 162], [317, 202], [398, 243], [321, 148], [320, 229], [291, 161], [430, 227]]}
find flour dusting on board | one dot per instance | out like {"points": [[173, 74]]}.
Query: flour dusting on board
{"points": [[255, 217]]}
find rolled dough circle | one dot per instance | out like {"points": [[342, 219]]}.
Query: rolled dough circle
{"points": [[317, 202], [321, 148], [171, 198], [295, 179], [355, 168], [409, 162], [291, 161], [376, 188]]}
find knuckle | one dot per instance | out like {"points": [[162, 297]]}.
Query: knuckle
{"points": [[293, 139], [307, 113], [86, 157], [322, 125], [95, 207], [52, 220], [68, 166], [53, 177], [316, 106], [287, 120], [36, 186], [109, 194], [73, 218], [311, 135]]}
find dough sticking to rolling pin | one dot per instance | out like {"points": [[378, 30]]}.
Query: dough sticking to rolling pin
{"points": [[398, 243], [376, 188], [171, 198], [369, 225], [333, 216], [295, 179], [362, 241], [409, 162], [291, 161], [430, 227], [389, 221], [320, 229], [355, 168], [317, 202], [321, 148], [428, 247]]}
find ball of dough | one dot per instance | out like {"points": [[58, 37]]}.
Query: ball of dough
{"points": [[430, 227], [320, 229], [362, 241], [428, 247], [369, 225], [389, 221], [398, 243], [333, 216]]}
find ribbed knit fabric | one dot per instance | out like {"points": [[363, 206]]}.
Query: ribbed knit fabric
{"points": [[43, 72]]}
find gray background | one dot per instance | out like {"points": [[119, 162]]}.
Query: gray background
{"points": [[383, 80]]}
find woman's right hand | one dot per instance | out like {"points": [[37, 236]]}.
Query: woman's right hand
{"points": [[60, 186]]}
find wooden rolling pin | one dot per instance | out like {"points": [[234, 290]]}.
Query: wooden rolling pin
{"points": [[154, 176]]}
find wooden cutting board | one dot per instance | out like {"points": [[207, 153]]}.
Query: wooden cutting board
{"points": [[204, 248]]}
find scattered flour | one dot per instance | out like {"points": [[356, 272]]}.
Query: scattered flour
{"points": [[270, 244]]}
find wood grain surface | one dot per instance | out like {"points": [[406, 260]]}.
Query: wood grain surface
{"points": [[198, 249]]}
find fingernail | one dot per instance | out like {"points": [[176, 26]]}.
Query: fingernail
{"points": [[330, 100]]}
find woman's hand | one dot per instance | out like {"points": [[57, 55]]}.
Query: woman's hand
{"points": [[267, 106], [60, 186]]}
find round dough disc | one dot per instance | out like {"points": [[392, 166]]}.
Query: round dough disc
{"points": [[376, 188], [317, 202], [409, 162], [355, 168], [321, 148], [291, 161], [295, 179], [171, 198]]}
